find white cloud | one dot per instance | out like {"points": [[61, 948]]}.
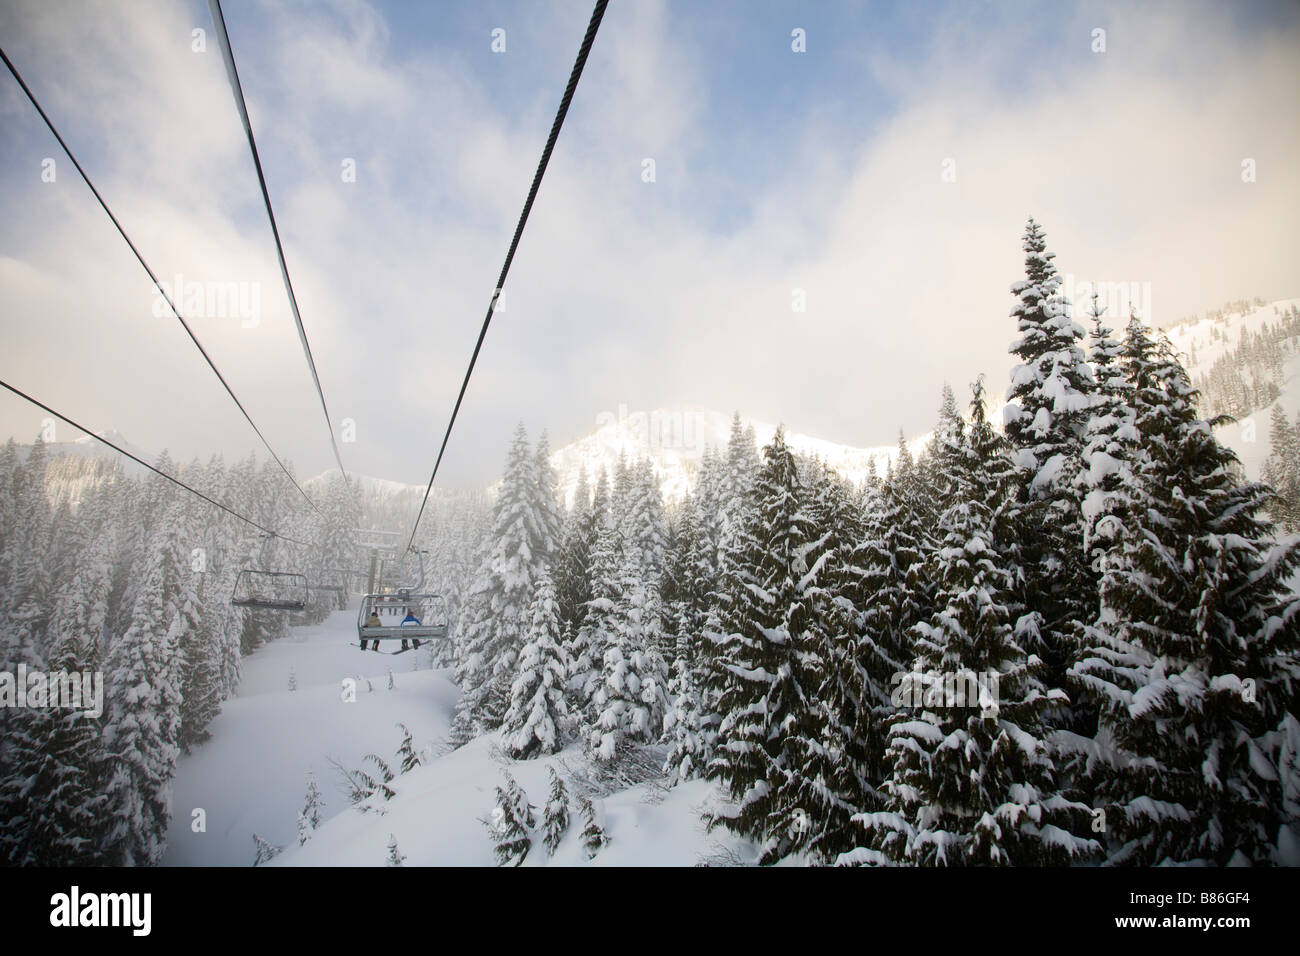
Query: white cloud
{"points": [[622, 291]]}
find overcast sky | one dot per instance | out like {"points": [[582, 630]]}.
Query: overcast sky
{"points": [[775, 170]]}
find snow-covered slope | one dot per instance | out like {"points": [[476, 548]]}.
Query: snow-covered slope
{"points": [[440, 813], [1202, 342], [251, 776]]}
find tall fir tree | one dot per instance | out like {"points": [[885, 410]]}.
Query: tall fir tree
{"points": [[144, 728], [537, 720], [497, 609], [572, 571], [885, 585], [1048, 406], [199, 649], [587, 645], [631, 697], [686, 755], [773, 665], [1191, 657], [550, 513], [972, 779]]}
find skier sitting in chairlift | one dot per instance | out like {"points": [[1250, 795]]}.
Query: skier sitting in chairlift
{"points": [[372, 621], [408, 621]]}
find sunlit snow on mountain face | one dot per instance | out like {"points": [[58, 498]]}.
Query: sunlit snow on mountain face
{"points": [[674, 439], [1217, 337]]}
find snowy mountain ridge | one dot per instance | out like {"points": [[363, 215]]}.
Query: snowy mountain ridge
{"points": [[675, 437]]}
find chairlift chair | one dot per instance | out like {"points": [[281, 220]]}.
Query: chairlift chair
{"points": [[392, 607], [270, 590]]}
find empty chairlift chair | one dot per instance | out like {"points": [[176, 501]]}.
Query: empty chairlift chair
{"points": [[270, 590]]}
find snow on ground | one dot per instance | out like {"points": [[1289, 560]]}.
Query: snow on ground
{"points": [[251, 776], [438, 819]]}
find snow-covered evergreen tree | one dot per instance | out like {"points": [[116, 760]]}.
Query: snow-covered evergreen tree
{"points": [[630, 697], [573, 559], [972, 781], [556, 817], [144, 727], [549, 512], [1282, 469], [336, 550], [512, 823], [497, 611], [1048, 406], [198, 647], [587, 647], [774, 664], [1108, 441], [737, 479], [884, 582], [937, 471], [395, 856], [686, 756], [1191, 658], [265, 850], [833, 754], [537, 719]]}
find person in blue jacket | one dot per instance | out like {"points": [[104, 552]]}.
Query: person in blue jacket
{"points": [[410, 621]]}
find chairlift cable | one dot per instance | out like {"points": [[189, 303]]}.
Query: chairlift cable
{"points": [[574, 76], [139, 461], [232, 73], [139, 257]]}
